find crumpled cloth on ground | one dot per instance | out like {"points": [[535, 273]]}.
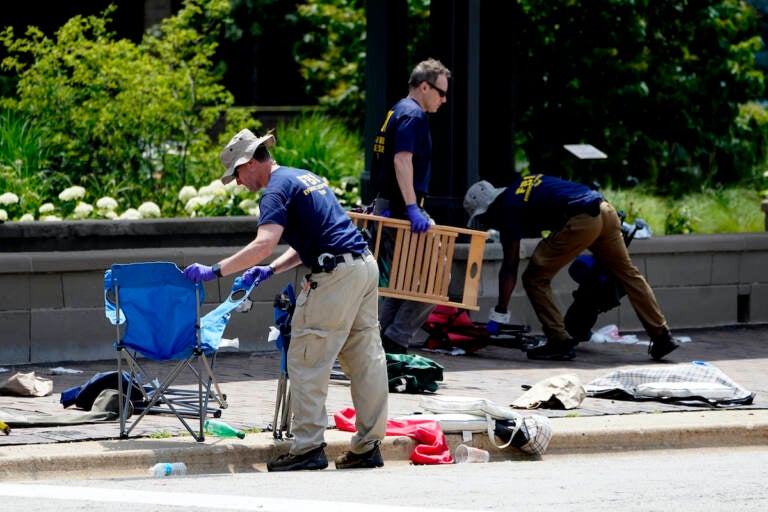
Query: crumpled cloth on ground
{"points": [[433, 447], [563, 391], [694, 381], [26, 384]]}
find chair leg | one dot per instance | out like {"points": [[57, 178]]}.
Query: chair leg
{"points": [[281, 422]]}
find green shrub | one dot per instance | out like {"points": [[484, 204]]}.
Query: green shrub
{"points": [[120, 119], [323, 145]]}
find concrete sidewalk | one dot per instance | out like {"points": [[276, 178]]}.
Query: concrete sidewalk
{"points": [[494, 373]]}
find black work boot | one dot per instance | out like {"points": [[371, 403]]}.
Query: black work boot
{"points": [[554, 351], [661, 346], [313, 459], [370, 459]]}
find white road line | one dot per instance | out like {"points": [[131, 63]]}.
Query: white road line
{"points": [[197, 500]]}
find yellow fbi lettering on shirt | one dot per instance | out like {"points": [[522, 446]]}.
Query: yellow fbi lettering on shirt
{"points": [[527, 184], [313, 184], [379, 141]]}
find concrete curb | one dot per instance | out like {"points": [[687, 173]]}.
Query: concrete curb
{"points": [[133, 457]]}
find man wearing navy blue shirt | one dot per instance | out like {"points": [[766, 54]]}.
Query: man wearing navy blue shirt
{"points": [[402, 160], [336, 312], [577, 218]]}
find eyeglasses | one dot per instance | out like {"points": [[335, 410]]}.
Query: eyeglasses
{"points": [[441, 92]]}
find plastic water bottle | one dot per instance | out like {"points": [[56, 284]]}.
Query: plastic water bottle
{"points": [[221, 429], [168, 469]]}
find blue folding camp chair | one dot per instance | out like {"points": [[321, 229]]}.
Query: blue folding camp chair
{"points": [[156, 314], [284, 305]]}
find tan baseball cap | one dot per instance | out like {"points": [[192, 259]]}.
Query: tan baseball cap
{"points": [[240, 149]]}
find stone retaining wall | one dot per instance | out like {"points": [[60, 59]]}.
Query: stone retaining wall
{"points": [[52, 308]]}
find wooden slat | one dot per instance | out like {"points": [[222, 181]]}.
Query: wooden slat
{"points": [[422, 263]]}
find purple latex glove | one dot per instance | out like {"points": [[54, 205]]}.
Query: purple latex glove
{"points": [[255, 275], [419, 223], [198, 273]]}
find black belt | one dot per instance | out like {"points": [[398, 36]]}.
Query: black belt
{"points": [[327, 262]]}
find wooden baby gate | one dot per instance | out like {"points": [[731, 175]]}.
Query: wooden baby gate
{"points": [[421, 264]]}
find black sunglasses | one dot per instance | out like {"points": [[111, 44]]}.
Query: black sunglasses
{"points": [[441, 92]]}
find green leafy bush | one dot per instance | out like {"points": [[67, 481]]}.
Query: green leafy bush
{"points": [[122, 119], [323, 145]]}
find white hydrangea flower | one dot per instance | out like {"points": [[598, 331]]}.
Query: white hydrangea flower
{"points": [[72, 193], [9, 198], [196, 203], [106, 203], [130, 214], [248, 204], [186, 193], [3, 215], [254, 212], [216, 188], [110, 214], [149, 209], [46, 208], [82, 210], [50, 218], [27, 217]]}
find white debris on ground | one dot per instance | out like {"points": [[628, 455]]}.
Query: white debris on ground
{"points": [[610, 334]]}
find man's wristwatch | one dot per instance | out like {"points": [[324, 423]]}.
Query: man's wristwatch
{"points": [[216, 269], [273, 267]]}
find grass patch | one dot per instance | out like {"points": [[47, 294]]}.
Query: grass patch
{"points": [[731, 210]]}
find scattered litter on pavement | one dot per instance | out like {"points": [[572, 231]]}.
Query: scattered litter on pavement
{"points": [[233, 343], [62, 371], [610, 334], [455, 351]]}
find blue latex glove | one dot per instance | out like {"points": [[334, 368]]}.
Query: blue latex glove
{"points": [[494, 320], [255, 275], [385, 213], [419, 223], [198, 273]]}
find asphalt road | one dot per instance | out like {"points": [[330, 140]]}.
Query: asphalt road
{"points": [[658, 480]]}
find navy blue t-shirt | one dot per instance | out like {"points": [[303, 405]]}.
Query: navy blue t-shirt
{"points": [[313, 220], [405, 128], [537, 203]]}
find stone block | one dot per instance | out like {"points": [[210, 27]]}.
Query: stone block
{"points": [[758, 300], [725, 268], [698, 306], [753, 268], [71, 334], [46, 291], [83, 289], [14, 292], [15, 344], [672, 270]]}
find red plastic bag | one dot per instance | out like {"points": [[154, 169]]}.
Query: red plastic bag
{"points": [[450, 327], [433, 447]]}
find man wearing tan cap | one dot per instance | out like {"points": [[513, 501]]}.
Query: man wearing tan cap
{"points": [[336, 312], [577, 218]]}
